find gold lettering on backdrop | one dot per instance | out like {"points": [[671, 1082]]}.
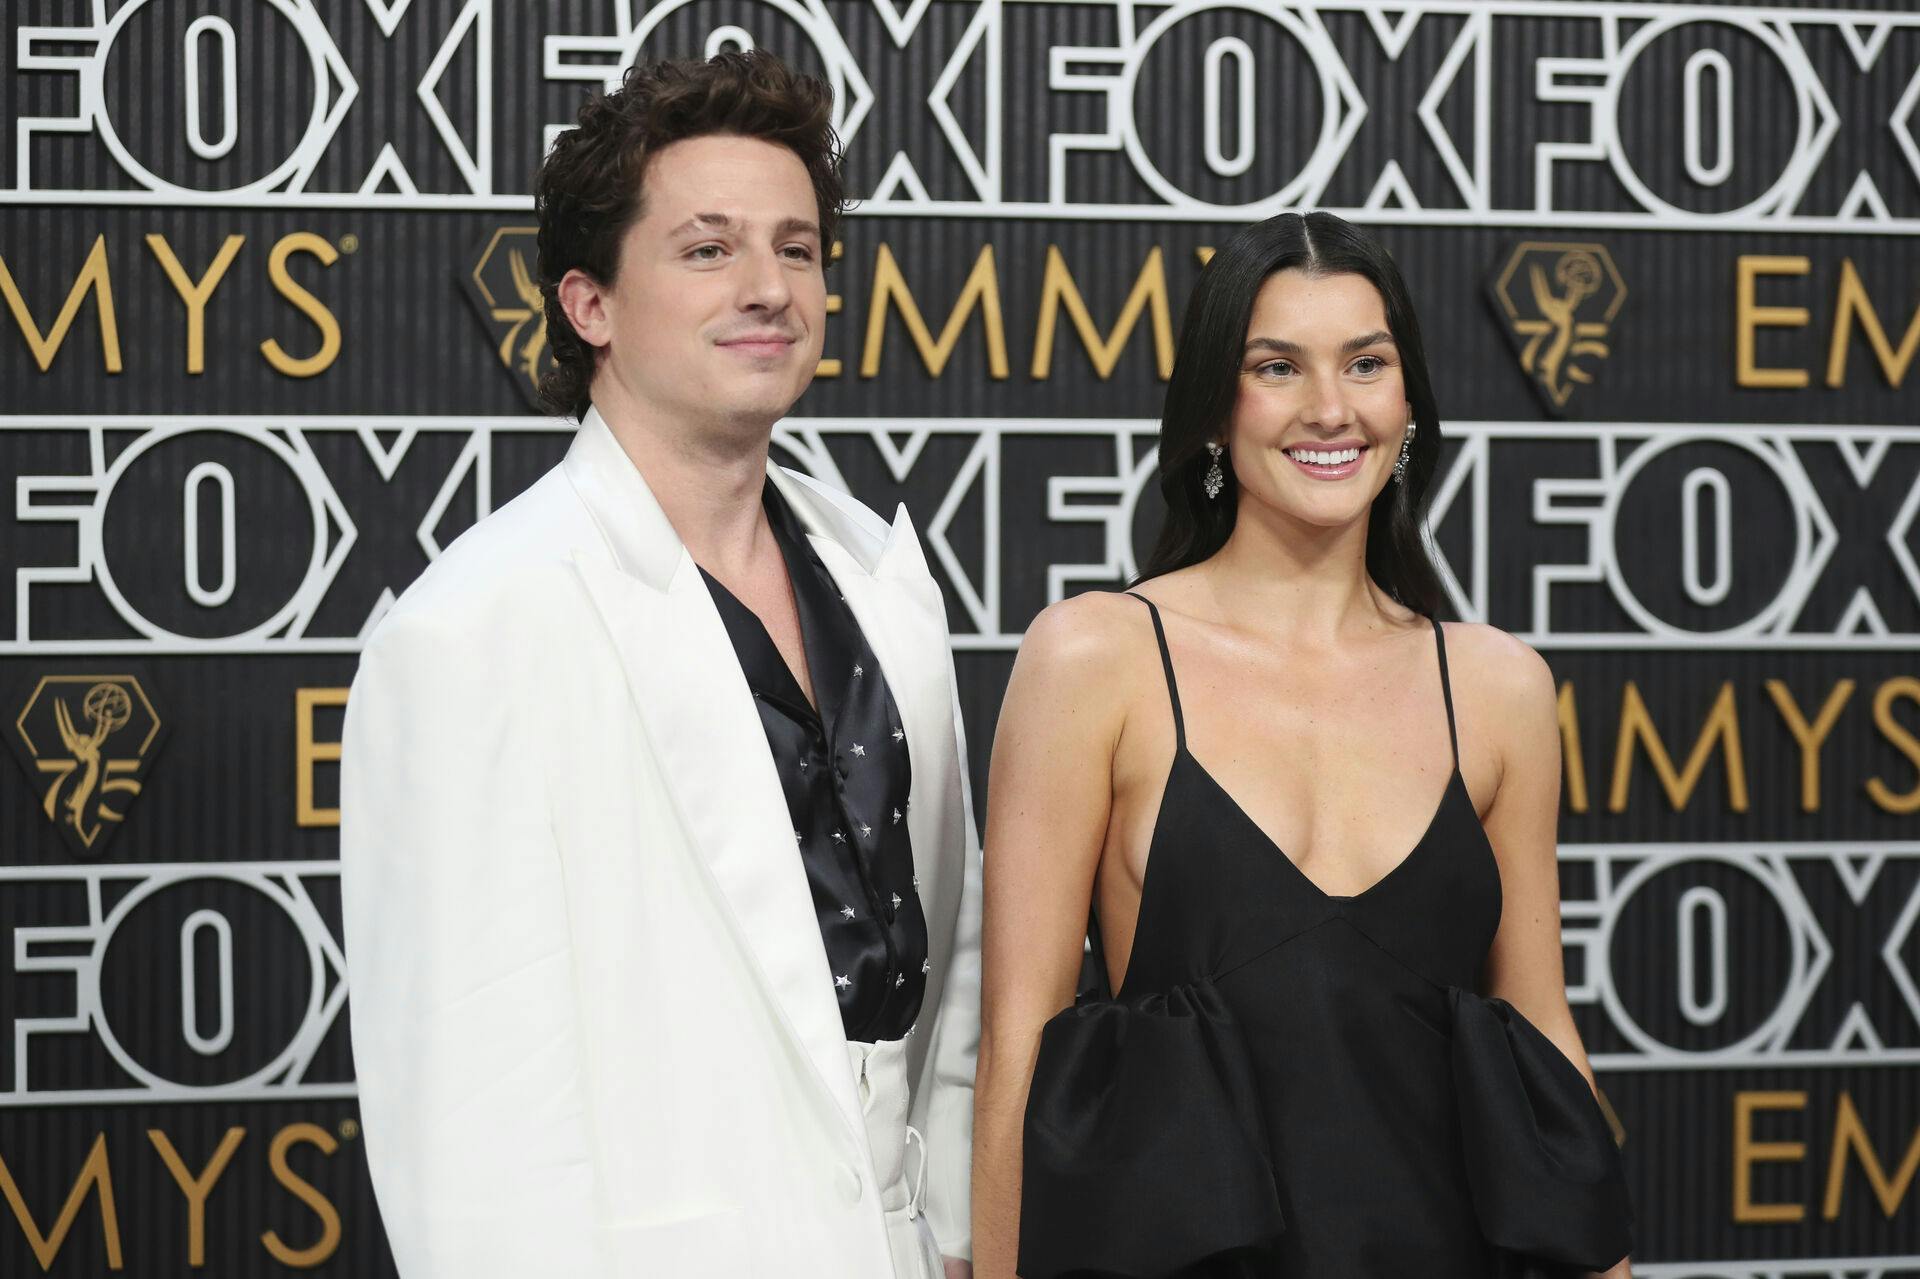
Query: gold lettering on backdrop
{"points": [[1636, 725], [1057, 288], [831, 367], [1850, 1136], [1810, 738], [95, 1174], [499, 286], [196, 1189], [1893, 704], [93, 275], [304, 1191], [1851, 303], [982, 290], [312, 307], [195, 294], [1749, 318], [307, 752], [1747, 1152], [1903, 741], [1571, 756]]}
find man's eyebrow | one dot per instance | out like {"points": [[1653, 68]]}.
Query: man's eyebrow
{"points": [[721, 222], [705, 222], [1280, 346]]}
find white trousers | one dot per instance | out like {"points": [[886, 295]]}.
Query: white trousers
{"points": [[880, 1074]]}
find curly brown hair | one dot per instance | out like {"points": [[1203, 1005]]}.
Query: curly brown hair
{"points": [[589, 188]]}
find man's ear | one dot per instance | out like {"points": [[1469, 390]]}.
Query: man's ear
{"points": [[583, 298]]}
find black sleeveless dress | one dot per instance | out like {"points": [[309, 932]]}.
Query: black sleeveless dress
{"points": [[1301, 1085]]}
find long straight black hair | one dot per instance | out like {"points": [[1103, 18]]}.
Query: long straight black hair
{"points": [[1205, 385]]}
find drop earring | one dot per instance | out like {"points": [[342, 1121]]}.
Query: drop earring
{"points": [[1400, 463], [1215, 478]]}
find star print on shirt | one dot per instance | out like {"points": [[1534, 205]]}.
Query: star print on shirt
{"points": [[926, 965], [842, 982], [896, 901], [865, 830], [900, 979], [858, 670], [858, 749], [846, 912], [896, 817], [899, 735]]}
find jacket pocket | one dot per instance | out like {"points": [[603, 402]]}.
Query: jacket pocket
{"points": [[708, 1244]]}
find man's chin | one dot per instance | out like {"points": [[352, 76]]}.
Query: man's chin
{"points": [[752, 414], [741, 405]]}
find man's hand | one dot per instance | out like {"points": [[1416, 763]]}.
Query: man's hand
{"points": [[957, 1269]]}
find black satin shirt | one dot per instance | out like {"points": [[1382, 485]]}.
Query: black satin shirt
{"points": [[846, 776]]}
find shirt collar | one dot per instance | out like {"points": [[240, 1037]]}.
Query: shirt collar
{"points": [[828, 631]]}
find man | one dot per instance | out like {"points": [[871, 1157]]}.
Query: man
{"points": [[661, 887]]}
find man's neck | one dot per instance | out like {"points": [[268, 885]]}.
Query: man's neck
{"points": [[708, 483]]}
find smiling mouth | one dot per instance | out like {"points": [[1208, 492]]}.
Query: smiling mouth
{"points": [[1331, 464]]}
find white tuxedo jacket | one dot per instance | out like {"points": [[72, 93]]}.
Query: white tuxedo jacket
{"points": [[592, 1017]]}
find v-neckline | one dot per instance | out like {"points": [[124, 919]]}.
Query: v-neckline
{"points": [[1453, 780]]}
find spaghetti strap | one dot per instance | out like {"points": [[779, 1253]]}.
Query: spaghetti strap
{"points": [[1166, 664], [1446, 688]]}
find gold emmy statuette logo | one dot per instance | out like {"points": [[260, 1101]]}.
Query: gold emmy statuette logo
{"points": [[88, 740], [1559, 302], [504, 295]]}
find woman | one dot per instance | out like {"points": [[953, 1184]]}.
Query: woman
{"points": [[1316, 832]]}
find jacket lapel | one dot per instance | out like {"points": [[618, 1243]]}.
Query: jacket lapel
{"points": [[705, 733]]}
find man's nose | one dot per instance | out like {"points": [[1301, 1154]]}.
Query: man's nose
{"points": [[763, 282]]}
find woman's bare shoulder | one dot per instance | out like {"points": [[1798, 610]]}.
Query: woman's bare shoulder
{"points": [[1083, 659], [1500, 676], [1091, 630], [1081, 664]]}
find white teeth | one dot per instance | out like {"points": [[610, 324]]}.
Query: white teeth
{"points": [[1335, 458]]}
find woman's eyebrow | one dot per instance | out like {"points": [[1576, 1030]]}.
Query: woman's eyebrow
{"points": [[1280, 346], [1365, 340]]}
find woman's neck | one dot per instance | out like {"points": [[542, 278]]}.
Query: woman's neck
{"points": [[1304, 581]]}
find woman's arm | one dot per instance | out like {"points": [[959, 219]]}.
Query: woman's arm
{"points": [[1525, 966], [1050, 790]]}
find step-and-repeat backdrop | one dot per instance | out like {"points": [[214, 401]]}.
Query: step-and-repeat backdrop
{"points": [[269, 345]]}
